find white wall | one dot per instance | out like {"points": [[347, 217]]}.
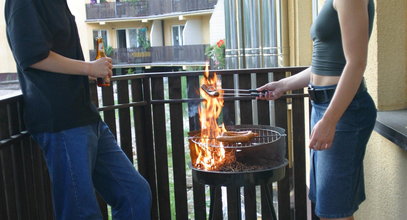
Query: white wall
{"points": [[193, 32], [7, 64], [156, 34], [217, 23], [78, 9]]}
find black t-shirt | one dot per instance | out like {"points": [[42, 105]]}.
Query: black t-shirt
{"points": [[52, 101]]}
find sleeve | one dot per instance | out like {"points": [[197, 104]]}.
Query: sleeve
{"points": [[29, 37]]}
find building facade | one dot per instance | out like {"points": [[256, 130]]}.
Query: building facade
{"points": [[151, 35]]}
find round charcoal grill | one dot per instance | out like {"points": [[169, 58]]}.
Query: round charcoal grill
{"points": [[265, 156]]}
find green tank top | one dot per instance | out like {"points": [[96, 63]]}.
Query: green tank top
{"points": [[328, 58]]}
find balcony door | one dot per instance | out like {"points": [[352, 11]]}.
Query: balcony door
{"points": [[121, 39], [100, 33], [177, 35]]}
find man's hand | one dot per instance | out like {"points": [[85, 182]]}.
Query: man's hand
{"points": [[100, 68]]}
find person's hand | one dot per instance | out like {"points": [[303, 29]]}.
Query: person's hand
{"points": [[271, 91], [101, 68], [322, 135]]}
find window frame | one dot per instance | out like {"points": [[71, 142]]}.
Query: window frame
{"points": [[180, 34]]}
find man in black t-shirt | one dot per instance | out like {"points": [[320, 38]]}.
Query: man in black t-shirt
{"points": [[81, 153]]}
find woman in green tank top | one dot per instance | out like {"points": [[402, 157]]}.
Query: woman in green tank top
{"points": [[343, 113]]}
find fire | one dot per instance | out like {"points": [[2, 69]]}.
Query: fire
{"points": [[209, 154]]}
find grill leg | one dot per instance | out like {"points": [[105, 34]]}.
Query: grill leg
{"points": [[213, 213], [269, 197]]}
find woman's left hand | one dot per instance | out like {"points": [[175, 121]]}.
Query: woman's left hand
{"points": [[322, 135]]}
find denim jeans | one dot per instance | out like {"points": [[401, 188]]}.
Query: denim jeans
{"points": [[336, 175], [84, 159]]}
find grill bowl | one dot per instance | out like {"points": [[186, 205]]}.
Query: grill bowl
{"points": [[266, 151]]}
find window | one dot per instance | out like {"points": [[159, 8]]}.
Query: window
{"points": [[177, 35], [132, 38], [314, 9], [100, 33]]}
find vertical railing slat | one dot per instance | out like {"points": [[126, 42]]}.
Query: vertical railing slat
{"points": [[124, 119], [246, 118], [194, 125], [140, 129], [149, 151], [263, 114], [178, 152], [300, 189], [110, 119], [234, 202], [161, 153], [283, 185], [228, 111], [109, 116]]}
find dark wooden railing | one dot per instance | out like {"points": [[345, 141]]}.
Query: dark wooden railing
{"points": [[150, 114], [24, 181], [167, 54], [143, 8]]}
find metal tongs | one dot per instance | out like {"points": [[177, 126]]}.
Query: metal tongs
{"points": [[214, 92]]}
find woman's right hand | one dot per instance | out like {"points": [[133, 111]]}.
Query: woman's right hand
{"points": [[101, 68], [271, 91]]}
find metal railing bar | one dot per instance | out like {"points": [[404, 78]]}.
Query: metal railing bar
{"points": [[13, 139], [119, 106]]}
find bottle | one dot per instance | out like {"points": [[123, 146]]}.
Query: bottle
{"points": [[100, 52]]}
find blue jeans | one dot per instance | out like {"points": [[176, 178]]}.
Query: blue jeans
{"points": [[336, 176], [84, 159]]}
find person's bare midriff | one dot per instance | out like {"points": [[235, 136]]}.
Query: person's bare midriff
{"points": [[318, 80]]}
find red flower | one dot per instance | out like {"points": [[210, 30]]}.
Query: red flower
{"points": [[220, 43]]}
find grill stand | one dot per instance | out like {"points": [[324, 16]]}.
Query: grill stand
{"points": [[236, 180], [217, 189]]}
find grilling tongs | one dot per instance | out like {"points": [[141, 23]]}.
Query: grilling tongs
{"points": [[214, 92]]}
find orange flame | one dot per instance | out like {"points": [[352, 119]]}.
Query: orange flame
{"points": [[210, 153]]}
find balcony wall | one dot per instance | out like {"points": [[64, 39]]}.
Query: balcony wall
{"points": [[166, 54], [180, 54], [144, 8], [116, 10]]}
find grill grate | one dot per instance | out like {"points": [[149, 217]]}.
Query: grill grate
{"points": [[266, 136]]}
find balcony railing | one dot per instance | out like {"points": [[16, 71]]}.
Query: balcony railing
{"points": [[153, 127], [168, 54], [117, 10], [186, 53], [127, 56], [143, 8]]}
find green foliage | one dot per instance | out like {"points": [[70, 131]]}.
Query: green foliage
{"points": [[130, 71], [142, 39], [194, 68], [216, 53], [109, 51]]}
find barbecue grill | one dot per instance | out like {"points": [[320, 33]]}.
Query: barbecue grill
{"points": [[262, 161]]}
